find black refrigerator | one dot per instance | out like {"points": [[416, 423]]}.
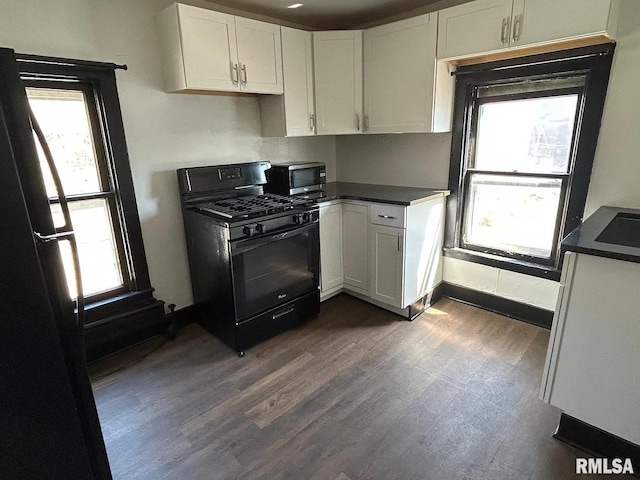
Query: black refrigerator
{"points": [[49, 426]]}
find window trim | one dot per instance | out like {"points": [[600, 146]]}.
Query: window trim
{"points": [[107, 190], [595, 63], [108, 119]]}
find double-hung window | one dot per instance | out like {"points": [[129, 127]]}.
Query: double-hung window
{"points": [[69, 118], [76, 105], [524, 139]]}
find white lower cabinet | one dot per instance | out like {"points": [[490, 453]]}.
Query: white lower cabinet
{"points": [[387, 254], [355, 231], [331, 274], [386, 264], [591, 367]]}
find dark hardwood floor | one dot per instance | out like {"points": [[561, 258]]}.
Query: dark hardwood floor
{"points": [[356, 393]]}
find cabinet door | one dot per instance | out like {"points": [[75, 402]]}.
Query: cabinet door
{"points": [[330, 247], [297, 63], [208, 49], [475, 27], [356, 245], [399, 72], [540, 21], [259, 56], [337, 60], [386, 260]]}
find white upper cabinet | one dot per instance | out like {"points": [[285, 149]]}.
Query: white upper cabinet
{"points": [[259, 56], [205, 50], [541, 21], [338, 81], [292, 114], [399, 75], [473, 27], [297, 52], [488, 26]]}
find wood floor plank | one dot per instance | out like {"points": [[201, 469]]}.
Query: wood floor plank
{"points": [[355, 393]]}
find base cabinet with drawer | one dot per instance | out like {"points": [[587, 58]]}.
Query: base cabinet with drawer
{"points": [[389, 255]]}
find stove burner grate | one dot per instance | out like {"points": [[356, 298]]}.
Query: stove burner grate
{"points": [[251, 206]]}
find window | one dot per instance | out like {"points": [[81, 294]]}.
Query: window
{"points": [[65, 116], [524, 140], [77, 108]]}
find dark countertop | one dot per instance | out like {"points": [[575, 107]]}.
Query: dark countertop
{"points": [[376, 193], [583, 238]]}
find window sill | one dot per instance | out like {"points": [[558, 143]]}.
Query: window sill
{"points": [[503, 263], [95, 312]]}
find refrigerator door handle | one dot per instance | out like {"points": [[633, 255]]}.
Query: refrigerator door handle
{"points": [[66, 232], [64, 235]]}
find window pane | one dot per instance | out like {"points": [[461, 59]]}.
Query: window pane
{"points": [[62, 115], [530, 135], [96, 247], [514, 214]]}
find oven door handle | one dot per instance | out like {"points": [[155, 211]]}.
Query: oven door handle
{"points": [[241, 246]]}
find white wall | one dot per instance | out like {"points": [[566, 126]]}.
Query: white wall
{"points": [[616, 170], [164, 131], [411, 159]]}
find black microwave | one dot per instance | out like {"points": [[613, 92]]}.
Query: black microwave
{"points": [[296, 178]]}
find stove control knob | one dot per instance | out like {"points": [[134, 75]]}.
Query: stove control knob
{"points": [[306, 217], [248, 230], [297, 219], [261, 228]]}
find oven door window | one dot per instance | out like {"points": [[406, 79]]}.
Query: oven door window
{"points": [[273, 270]]}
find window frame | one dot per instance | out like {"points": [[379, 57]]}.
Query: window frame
{"points": [[98, 82], [593, 62], [107, 187], [469, 171]]}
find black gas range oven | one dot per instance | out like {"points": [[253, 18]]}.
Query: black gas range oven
{"points": [[254, 257]]}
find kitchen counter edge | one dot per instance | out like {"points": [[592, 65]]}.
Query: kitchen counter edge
{"points": [[389, 194], [583, 238]]}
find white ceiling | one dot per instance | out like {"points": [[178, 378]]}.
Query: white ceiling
{"points": [[337, 14]]}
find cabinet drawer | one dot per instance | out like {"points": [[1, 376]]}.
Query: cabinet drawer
{"points": [[389, 215]]}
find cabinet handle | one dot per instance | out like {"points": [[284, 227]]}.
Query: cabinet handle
{"points": [[244, 73], [234, 70], [312, 122], [398, 242], [517, 27], [387, 216], [504, 34], [366, 122], [357, 121]]}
